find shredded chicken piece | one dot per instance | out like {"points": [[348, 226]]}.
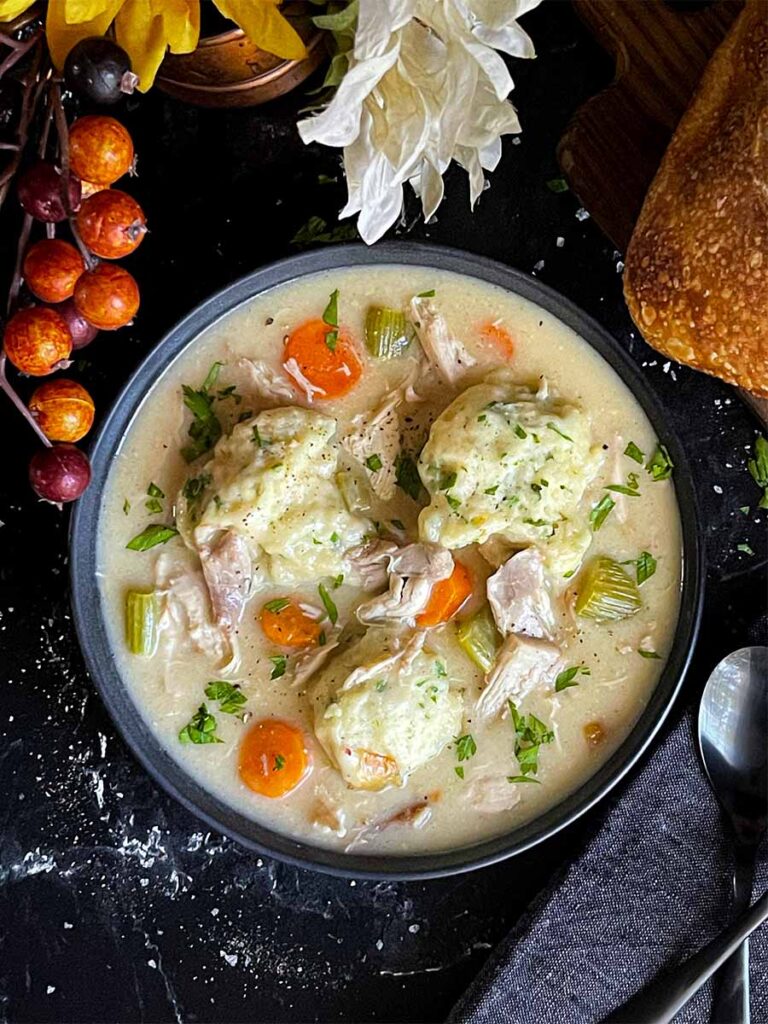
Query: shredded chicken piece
{"points": [[522, 664], [496, 550], [328, 816], [308, 662], [519, 596], [184, 619], [227, 569], [413, 571], [415, 815], [370, 563], [446, 353], [400, 660], [378, 436], [267, 382], [491, 794], [293, 369]]}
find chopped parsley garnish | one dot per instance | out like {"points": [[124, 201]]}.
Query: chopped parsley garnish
{"points": [[380, 685], [126, 507], [536, 488], [229, 695], [645, 566], [229, 392], [491, 490], [407, 476], [551, 426], [557, 185], [567, 677], [374, 463], [465, 747], [153, 505], [322, 640], [316, 231], [331, 317], [453, 501], [447, 481], [205, 428], [459, 769], [277, 605], [482, 418], [530, 735], [151, 536], [440, 670], [330, 607], [632, 492], [600, 512], [633, 452], [521, 433], [194, 487], [201, 728], [256, 436], [523, 778], [745, 548], [647, 654], [536, 522], [744, 509], [426, 295], [279, 763], [338, 580], [758, 468], [154, 491], [280, 663], [660, 466]]}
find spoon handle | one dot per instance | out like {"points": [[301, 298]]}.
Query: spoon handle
{"points": [[660, 1000], [730, 1001]]}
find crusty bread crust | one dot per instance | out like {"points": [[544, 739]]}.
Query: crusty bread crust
{"points": [[696, 279]]}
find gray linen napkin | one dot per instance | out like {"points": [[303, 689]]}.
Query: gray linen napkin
{"points": [[649, 889]]}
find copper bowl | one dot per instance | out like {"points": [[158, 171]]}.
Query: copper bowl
{"points": [[228, 70]]}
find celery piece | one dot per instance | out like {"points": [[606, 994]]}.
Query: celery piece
{"points": [[479, 638], [141, 622], [386, 332], [606, 593]]}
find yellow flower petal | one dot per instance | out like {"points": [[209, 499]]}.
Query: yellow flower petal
{"points": [[78, 11], [10, 9], [181, 19], [139, 30], [61, 36], [265, 26]]}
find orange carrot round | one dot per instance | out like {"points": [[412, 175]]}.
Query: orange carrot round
{"points": [[288, 625], [273, 757], [447, 597], [325, 356], [499, 338]]}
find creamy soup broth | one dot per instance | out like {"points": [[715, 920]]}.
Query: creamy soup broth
{"points": [[167, 691]]}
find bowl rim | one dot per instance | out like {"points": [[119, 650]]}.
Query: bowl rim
{"points": [[101, 663]]}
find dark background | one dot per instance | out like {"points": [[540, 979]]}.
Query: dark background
{"points": [[115, 904]]}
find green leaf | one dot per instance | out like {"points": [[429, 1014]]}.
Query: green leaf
{"points": [[758, 467], [566, 678], [279, 763], [491, 490], [426, 295], [338, 580], [600, 512], [645, 566], [150, 536], [316, 230], [343, 20], [277, 604], [453, 501], [205, 429], [440, 671], [153, 505], [154, 491], [330, 607], [407, 476], [621, 489], [459, 771], [331, 311], [523, 778], [648, 654], [745, 548], [280, 663], [200, 729], [633, 452], [194, 487], [557, 185], [374, 463], [551, 426], [212, 376], [229, 695], [447, 481], [521, 432], [660, 466], [465, 747]]}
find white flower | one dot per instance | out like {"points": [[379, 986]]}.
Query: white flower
{"points": [[425, 86]]}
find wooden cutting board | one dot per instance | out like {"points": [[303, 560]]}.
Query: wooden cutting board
{"points": [[615, 142]]}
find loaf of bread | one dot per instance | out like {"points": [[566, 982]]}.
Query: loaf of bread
{"points": [[696, 279]]}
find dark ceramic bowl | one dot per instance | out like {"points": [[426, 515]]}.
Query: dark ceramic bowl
{"points": [[89, 613]]}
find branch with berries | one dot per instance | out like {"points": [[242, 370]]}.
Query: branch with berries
{"points": [[64, 290]]}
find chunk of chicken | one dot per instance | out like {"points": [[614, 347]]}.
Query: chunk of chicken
{"points": [[226, 563], [413, 571], [446, 353], [185, 620], [377, 438], [491, 794], [519, 596], [310, 661], [522, 664], [369, 563], [268, 383]]}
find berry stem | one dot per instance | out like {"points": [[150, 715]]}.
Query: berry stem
{"points": [[5, 386], [63, 133], [18, 48], [32, 88]]}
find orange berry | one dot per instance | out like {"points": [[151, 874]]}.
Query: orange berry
{"points": [[273, 757], [51, 269], [63, 409], [100, 149], [111, 223], [107, 296], [36, 340]]}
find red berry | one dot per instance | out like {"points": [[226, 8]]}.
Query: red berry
{"points": [[60, 473], [107, 296], [100, 149], [41, 191], [51, 269], [36, 340], [111, 223], [82, 332]]}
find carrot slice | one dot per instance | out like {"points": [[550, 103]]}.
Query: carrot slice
{"points": [[500, 338], [273, 757], [325, 356], [288, 625], [447, 597]]}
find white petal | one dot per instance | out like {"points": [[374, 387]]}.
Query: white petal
{"points": [[377, 20]]}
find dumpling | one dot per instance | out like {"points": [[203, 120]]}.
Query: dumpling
{"points": [[384, 707], [504, 461], [272, 481]]}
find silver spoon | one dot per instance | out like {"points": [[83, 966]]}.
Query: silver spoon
{"points": [[733, 736]]}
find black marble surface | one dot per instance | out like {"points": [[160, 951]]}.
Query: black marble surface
{"points": [[115, 905]]}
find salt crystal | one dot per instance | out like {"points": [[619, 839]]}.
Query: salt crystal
{"points": [[581, 214], [560, 242]]}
